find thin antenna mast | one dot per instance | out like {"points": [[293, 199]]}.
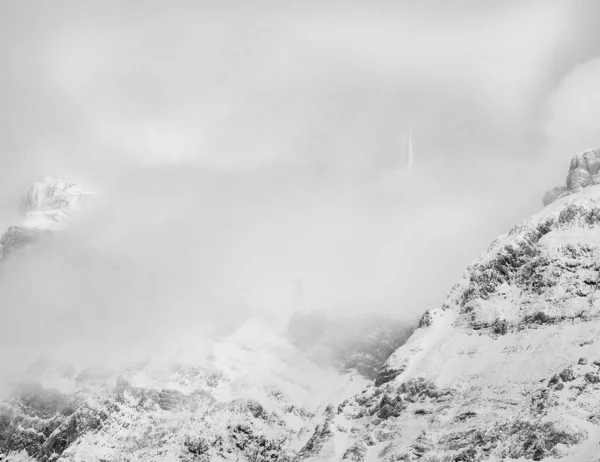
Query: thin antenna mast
{"points": [[409, 147]]}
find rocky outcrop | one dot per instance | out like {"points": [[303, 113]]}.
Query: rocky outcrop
{"points": [[191, 413], [583, 172], [143, 422], [42, 422]]}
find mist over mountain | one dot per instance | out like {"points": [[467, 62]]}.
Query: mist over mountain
{"points": [[216, 244], [504, 369]]}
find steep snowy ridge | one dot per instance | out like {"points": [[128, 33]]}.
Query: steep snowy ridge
{"points": [[507, 368]]}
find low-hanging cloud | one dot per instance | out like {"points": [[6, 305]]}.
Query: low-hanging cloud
{"points": [[172, 257], [251, 162]]}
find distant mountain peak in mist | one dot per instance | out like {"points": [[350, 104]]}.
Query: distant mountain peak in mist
{"points": [[49, 205], [584, 171], [52, 200]]}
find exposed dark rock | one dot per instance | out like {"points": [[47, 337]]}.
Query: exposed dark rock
{"points": [[422, 445], [594, 418], [567, 374], [172, 400], [465, 415], [415, 390], [356, 452], [538, 440], [538, 317], [426, 320], [390, 407], [500, 327], [255, 446], [198, 448], [386, 375], [583, 172], [322, 434], [43, 422], [571, 214]]}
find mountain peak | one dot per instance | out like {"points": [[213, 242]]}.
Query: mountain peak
{"points": [[49, 205], [584, 171], [50, 201]]}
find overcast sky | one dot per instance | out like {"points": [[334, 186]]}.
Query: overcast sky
{"points": [[241, 147]]}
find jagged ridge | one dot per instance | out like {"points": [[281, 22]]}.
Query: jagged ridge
{"points": [[508, 367]]}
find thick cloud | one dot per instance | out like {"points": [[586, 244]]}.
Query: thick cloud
{"points": [[234, 86], [241, 151]]}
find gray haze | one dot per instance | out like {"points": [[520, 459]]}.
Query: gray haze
{"points": [[240, 148]]}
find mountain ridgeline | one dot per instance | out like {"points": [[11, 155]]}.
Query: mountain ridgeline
{"points": [[508, 368]]}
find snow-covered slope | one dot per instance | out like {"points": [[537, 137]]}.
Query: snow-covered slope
{"points": [[507, 368]]}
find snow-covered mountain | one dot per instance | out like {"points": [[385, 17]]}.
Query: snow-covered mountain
{"points": [[49, 205], [259, 395], [506, 369]]}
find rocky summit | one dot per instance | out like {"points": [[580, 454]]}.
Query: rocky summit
{"points": [[49, 205], [584, 171], [508, 368]]}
